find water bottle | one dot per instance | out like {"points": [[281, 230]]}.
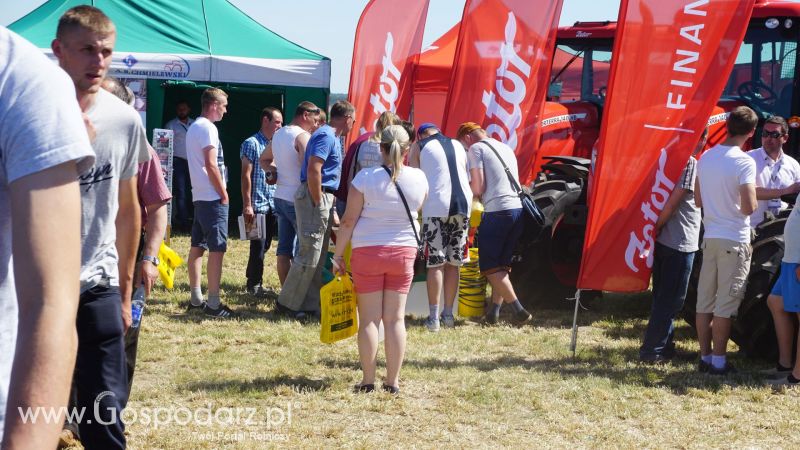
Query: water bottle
{"points": [[137, 307]]}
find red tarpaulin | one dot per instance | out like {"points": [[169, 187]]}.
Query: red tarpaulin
{"points": [[387, 44], [501, 72], [672, 60], [432, 78]]}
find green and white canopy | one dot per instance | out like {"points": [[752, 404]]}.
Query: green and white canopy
{"points": [[195, 40]]}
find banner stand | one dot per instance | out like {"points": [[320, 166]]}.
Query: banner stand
{"points": [[574, 342]]}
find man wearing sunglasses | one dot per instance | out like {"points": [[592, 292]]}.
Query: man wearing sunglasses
{"points": [[777, 174]]}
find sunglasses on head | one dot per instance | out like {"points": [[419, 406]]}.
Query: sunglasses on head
{"points": [[772, 134], [313, 111]]}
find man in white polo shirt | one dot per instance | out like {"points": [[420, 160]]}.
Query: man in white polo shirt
{"points": [[726, 191], [777, 174]]}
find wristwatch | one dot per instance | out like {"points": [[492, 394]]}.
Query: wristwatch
{"points": [[152, 259]]}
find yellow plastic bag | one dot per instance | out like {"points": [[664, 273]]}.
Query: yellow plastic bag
{"points": [[169, 261], [476, 214], [338, 311]]}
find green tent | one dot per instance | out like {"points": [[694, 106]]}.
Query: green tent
{"points": [[169, 50]]}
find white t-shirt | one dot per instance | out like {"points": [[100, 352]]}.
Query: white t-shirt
{"points": [[498, 194], [384, 220], [772, 175], [40, 128], [287, 161], [433, 162], [201, 134], [179, 130], [369, 155], [721, 171], [120, 145]]}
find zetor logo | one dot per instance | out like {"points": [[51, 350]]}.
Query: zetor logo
{"points": [[643, 248], [389, 88], [503, 123], [389, 82]]}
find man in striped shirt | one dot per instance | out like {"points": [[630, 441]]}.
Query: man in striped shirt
{"points": [[258, 196], [678, 235]]}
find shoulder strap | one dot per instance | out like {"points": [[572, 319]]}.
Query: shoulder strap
{"points": [[405, 203], [514, 184]]}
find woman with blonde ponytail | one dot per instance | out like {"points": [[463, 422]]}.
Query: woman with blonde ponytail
{"points": [[384, 248]]}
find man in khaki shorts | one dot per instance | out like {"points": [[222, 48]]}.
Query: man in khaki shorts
{"points": [[726, 191]]}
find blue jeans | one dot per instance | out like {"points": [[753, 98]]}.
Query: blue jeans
{"points": [[671, 270], [287, 227]]}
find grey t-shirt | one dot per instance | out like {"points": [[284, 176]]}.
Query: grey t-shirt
{"points": [[40, 127], [682, 230], [498, 194], [120, 145]]}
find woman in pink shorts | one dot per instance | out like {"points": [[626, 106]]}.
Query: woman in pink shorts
{"points": [[384, 248]]}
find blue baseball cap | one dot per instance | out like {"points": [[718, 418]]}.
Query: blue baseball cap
{"points": [[425, 126]]}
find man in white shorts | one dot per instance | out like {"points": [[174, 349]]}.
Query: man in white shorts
{"points": [[445, 216]]}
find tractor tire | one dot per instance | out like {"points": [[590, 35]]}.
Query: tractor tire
{"points": [[753, 329], [545, 269]]}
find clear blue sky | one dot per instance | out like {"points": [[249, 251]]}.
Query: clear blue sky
{"points": [[328, 26]]}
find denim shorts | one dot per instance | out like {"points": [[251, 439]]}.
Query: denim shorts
{"points": [[498, 234], [210, 227], [287, 227]]}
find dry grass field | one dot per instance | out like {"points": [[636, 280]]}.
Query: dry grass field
{"points": [[262, 382]]}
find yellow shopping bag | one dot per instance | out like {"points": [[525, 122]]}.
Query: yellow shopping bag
{"points": [[338, 311], [169, 261]]}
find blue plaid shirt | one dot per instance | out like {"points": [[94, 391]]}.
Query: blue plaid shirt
{"points": [[261, 193]]}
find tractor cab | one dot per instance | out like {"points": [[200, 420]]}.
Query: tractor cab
{"points": [[764, 74]]}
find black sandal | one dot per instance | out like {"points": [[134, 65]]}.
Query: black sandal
{"points": [[364, 388], [391, 389]]}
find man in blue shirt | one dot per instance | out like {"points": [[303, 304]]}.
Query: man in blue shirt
{"points": [[257, 196], [313, 202]]}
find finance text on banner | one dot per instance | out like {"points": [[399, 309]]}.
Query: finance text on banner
{"points": [[387, 46], [671, 61], [501, 71]]}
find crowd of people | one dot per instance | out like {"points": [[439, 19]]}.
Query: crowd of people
{"points": [[86, 202], [736, 191]]}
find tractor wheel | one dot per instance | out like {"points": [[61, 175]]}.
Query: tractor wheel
{"points": [[546, 269], [753, 329]]}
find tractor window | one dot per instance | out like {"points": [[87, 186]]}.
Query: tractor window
{"points": [[580, 71], [764, 71]]}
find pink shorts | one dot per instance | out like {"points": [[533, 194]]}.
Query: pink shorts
{"points": [[383, 268]]}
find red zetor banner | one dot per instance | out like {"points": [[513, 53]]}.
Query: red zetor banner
{"points": [[387, 46], [501, 71], [670, 63]]}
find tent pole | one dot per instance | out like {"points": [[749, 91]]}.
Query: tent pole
{"points": [[574, 342]]}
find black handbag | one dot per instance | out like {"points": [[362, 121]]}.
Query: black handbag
{"points": [[420, 266], [532, 212]]}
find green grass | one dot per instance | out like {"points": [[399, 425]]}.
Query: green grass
{"points": [[467, 387]]}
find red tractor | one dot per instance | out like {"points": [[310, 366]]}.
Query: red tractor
{"points": [[763, 78]]}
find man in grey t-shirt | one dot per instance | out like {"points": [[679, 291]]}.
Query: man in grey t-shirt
{"points": [[502, 223], [110, 228], [678, 234]]}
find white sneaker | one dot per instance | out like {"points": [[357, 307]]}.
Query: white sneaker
{"points": [[432, 323]]}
